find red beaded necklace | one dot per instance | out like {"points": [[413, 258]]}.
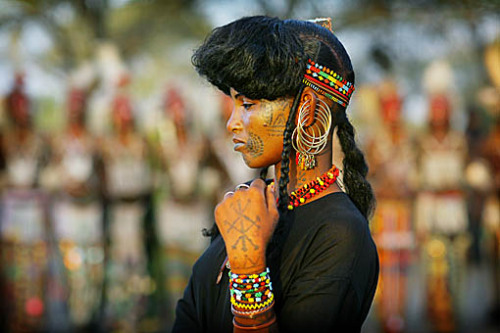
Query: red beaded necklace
{"points": [[313, 188]]}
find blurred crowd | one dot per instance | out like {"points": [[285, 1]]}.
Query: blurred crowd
{"points": [[437, 217], [99, 231]]}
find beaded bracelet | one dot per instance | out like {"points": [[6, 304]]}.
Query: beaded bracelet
{"points": [[250, 298], [251, 292], [258, 280], [235, 276], [250, 314], [253, 305], [248, 283]]}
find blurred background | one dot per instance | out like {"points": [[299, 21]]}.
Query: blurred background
{"points": [[114, 152]]}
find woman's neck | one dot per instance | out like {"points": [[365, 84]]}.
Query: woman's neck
{"points": [[298, 177]]}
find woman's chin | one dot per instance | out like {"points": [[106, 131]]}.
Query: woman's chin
{"points": [[252, 163]]}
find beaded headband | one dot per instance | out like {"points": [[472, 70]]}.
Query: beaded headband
{"points": [[328, 83]]}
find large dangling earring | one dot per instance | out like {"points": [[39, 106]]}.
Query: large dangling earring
{"points": [[309, 141]]}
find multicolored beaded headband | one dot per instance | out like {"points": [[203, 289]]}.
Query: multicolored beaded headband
{"points": [[328, 83]]}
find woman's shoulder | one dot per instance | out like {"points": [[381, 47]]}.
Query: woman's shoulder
{"points": [[334, 213], [333, 224], [333, 231]]}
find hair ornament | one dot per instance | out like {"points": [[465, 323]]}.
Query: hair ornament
{"points": [[328, 83], [325, 22]]}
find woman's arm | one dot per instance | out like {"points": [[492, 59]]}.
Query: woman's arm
{"points": [[246, 219]]}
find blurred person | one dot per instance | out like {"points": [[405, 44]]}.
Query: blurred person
{"points": [[391, 161], [314, 244], [185, 205], [491, 214], [75, 177], [23, 223], [128, 189], [490, 98], [441, 213]]}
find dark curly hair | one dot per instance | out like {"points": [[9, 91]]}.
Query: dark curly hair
{"points": [[265, 58]]}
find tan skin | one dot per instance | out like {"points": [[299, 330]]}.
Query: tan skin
{"points": [[247, 218]]}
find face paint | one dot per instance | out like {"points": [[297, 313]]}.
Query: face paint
{"points": [[257, 127], [275, 116], [255, 145]]}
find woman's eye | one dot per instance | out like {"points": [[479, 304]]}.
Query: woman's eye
{"points": [[247, 106]]}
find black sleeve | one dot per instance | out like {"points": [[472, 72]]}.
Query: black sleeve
{"points": [[204, 306], [185, 313]]}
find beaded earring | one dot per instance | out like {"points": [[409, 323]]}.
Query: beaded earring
{"points": [[309, 141]]}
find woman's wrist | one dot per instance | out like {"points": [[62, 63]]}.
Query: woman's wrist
{"points": [[249, 265], [252, 300]]}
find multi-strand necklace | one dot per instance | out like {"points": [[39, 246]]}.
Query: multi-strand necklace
{"points": [[313, 188]]}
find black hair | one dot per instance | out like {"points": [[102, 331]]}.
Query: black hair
{"points": [[265, 58]]}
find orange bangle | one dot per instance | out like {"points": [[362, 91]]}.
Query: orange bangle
{"points": [[254, 327]]}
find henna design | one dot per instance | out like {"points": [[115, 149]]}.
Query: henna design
{"points": [[267, 115], [275, 119], [255, 145], [241, 226]]}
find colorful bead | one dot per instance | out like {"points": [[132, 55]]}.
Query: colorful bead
{"points": [[300, 196], [251, 292], [241, 306], [328, 83]]}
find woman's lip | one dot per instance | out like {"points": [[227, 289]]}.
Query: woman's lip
{"points": [[238, 144]]}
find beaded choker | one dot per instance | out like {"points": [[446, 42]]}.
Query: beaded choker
{"points": [[313, 188], [328, 83]]}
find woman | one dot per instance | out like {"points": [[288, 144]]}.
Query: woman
{"points": [[302, 232]]}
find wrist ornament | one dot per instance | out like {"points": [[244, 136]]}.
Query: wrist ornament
{"points": [[251, 294]]}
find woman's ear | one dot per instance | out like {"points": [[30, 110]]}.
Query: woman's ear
{"points": [[308, 96]]}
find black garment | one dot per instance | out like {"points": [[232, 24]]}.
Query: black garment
{"points": [[324, 277]]}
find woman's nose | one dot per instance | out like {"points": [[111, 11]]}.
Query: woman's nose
{"points": [[234, 123]]}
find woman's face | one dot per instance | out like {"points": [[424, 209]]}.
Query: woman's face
{"points": [[257, 127]]}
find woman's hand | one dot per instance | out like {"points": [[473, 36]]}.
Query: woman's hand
{"points": [[247, 219]]}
